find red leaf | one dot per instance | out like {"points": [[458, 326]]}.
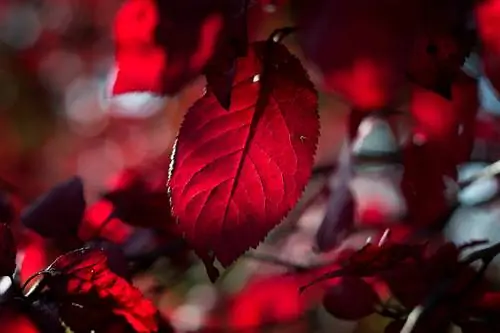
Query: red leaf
{"points": [[78, 275], [439, 125], [488, 24], [268, 300], [7, 251], [487, 16], [34, 257], [151, 54], [238, 172]]}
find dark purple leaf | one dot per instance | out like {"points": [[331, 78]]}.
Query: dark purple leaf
{"points": [[57, 213]]}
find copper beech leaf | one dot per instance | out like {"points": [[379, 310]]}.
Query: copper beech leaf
{"points": [[237, 173]]}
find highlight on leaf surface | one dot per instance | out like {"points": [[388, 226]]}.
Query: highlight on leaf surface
{"points": [[237, 173]]}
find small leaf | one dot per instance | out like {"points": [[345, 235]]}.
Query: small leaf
{"points": [[237, 173], [265, 301], [7, 251], [59, 212], [350, 299]]}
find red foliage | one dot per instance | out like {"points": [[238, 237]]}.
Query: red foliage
{"points": [[34, 256], [238, 172], [82, 276]]}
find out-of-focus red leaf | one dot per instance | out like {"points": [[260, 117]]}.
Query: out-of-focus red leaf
{"points": [[34, 257], [151, 54], [350, 299], [77, 276], [238, 172], [360, 47], [265, 301], [7, 251]]}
